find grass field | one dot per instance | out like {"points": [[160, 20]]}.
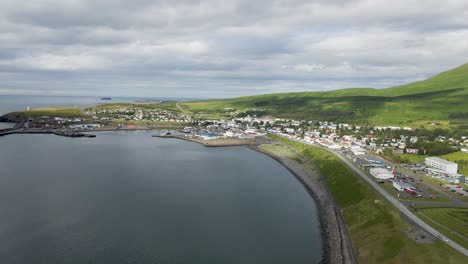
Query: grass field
{"points": [[166, 105], [457, 157], [282, 151], [412, 158], [59, 112], [455, 219], [440, 99], [376, 229], [64, 112]]}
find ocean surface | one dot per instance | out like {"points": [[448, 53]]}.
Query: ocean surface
{"points": [[125, 197]]}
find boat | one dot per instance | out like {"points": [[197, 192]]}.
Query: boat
{"points": [[106, 98]]}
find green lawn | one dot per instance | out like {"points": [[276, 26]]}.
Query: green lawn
{"points": [[412, 158], [376, 229], [71, 112], [455, 219], [282, 151]]}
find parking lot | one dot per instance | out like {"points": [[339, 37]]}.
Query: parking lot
{"points": [[456, 189]]}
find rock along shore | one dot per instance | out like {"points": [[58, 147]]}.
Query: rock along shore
{"points": [[336, 243]]}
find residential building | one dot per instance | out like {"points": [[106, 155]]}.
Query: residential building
{"points": [[441, 164]]}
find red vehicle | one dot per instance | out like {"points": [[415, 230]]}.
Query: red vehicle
{"points": [[410, 191], [432, 196], [459, 186]]}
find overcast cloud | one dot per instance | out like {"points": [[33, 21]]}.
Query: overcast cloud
{"points": [[201, 49]]}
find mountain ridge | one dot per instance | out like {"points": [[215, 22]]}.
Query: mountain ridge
{"points": [[434, 100]]}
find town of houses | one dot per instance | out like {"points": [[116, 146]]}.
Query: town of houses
{"points": [[355, 140], [137, 114], [358, 140]]}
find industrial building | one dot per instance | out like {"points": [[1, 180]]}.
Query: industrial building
{"points": [[357, 150], [442, 165], [381, 173], [401, 186]]}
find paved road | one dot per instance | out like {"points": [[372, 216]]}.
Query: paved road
{"points": [[185, 112], [401, 207]]}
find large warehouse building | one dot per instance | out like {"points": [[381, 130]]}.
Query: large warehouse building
{"points": [[401, 186], [381, 173], [441, 164]]}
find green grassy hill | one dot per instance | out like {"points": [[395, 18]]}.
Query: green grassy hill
{"points": [[440, 99]]}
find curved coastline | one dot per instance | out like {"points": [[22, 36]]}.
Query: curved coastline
{"points": [[336, 242]]}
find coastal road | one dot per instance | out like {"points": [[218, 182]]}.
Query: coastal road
{"points": [[402, 207]]}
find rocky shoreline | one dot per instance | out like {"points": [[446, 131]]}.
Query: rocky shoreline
{"points": [[337, 246]]}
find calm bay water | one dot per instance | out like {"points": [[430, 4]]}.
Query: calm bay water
{"points": [[125, 197]]}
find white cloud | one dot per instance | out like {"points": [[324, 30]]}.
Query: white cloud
{"points": [[54, 62], [225, 48]]}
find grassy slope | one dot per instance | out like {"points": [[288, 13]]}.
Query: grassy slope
{"points": [[167, 105], [376, 229], [414, 104]]}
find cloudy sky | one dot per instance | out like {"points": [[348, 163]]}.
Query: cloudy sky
{"points": [[203, 49]]}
